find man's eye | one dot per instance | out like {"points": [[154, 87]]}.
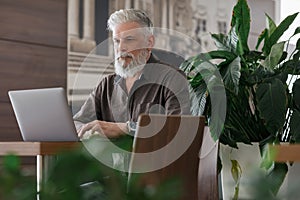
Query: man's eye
{"points": [[130, 39], [116, 41]]}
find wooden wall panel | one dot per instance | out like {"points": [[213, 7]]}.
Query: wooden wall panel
{"points": [[33, 52], [8, 123], [24, 66], [34, 21]]}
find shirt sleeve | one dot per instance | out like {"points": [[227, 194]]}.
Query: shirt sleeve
{"points": [[87, 112]]}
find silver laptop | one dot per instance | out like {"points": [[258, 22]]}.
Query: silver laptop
{"points": [[43, 114]]}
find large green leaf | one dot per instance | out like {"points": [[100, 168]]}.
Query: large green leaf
{"points": [[222, 55], [193, 63], [189, 65], [297, 30], [291, 67], [218, 107], [271, 102], [204, 72], [197, 92], [277, 176], [216, 90], [278, 32], [232, 75], [274, 57], [233, 40], [296, 56], [296, 94], [261, 37], [295, 126], [241, 20], [221, 41], [270, 24], [186, 65], [196, 80], [298, 42], [198, 99], [227, 42]]}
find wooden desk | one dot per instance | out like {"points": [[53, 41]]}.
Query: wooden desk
{"points": [[39, 149], [286, 152]]}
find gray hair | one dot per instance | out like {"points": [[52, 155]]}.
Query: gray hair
{"points": [[130, 15]]}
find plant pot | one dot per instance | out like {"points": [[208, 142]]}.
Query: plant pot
{"points": [[248, 157]]}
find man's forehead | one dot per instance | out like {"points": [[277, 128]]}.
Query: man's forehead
{"points": [[129, 32], [128, 28]]}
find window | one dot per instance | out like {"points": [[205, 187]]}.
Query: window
{"points": [[200, 30], [222, 27]]}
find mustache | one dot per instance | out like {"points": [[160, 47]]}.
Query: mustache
{"points": [[124, 55]]}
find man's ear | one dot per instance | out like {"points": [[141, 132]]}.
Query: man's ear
{"points": [[151, 42]]}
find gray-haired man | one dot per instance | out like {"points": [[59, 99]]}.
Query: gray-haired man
{"points": [[141, 83]]}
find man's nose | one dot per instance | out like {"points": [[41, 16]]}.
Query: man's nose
{"points": [[122, 46]]}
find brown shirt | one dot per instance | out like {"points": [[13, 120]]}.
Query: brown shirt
{"points": [[160, 89]]}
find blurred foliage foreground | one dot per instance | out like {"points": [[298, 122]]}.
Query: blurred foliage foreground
{"points": [[77, 175]]}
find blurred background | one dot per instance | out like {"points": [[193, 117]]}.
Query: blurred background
{"points": [[194, 18]]}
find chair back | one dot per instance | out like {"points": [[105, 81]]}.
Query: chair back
{"points": [[208, 172], [168, 147]]}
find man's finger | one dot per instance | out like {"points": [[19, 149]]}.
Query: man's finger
{"points": [[84, 128], [97, 130]]}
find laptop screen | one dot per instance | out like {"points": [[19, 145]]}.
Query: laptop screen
{"points": [[43, 114]]}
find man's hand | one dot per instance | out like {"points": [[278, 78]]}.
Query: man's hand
{"points": [[108, 129]]}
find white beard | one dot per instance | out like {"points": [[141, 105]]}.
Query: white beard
{"points": [[136, 64]]}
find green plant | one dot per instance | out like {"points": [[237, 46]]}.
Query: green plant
{"points": [[260, 107], [14, 184], [68, 176], [72, 169]]}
